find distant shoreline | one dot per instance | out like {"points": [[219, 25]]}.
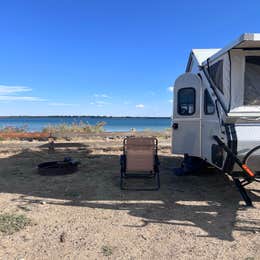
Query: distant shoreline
{"points": [[141, 117], [37, 123]]}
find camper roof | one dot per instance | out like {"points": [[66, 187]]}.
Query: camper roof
{"points": [[245, 41], [203, 54], [200, 55]]}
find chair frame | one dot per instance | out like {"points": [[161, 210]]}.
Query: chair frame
{"points": [[152, 174]]}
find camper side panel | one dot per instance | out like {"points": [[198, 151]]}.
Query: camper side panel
{"points": [[186, 132], [248, 137], [187, 139]]}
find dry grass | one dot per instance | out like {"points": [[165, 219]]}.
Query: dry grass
{"points": [[75, 128], [13, 129], [62, 130]]}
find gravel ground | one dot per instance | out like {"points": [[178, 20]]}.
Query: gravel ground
{"points": [[87, 216]]}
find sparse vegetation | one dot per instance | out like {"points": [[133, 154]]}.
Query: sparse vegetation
{"points": [[147, 130], [107, 250], [14, 129], [22, 133], [75, 128], [11, 223]]}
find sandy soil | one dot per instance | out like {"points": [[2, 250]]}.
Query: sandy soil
{"points": [[87, 216]]}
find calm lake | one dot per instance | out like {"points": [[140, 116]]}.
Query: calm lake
{"points": [[112, 123]]}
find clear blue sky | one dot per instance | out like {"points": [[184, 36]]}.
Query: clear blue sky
{"points": [[107, 57]]}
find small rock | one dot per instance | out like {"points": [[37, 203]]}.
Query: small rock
{"points": [[43, 202], [62, 237], [143, 237]]}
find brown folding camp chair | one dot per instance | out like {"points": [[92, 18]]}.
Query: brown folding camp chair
{"points": [[140, 160]]}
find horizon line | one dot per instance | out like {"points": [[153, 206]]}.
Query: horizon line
{"points": [[86, 116]]}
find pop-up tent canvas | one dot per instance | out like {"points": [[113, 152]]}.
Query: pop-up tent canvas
{"points": [[235, 71]]}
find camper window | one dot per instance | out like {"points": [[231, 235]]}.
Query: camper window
{"points": [[186, 101], [252, 81], [209, 107], [216, 73]]}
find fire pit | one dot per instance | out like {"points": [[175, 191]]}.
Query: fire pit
{"points": [[67, 166]]}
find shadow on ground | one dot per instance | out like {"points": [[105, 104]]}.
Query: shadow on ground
{"points": [[209, 202]]}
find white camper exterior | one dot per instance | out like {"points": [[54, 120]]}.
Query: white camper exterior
{"points": [[219, 94]]}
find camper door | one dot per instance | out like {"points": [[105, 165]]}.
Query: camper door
{"points": [[186, 115]]}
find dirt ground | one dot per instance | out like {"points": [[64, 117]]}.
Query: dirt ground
{"points": [[86, 216]]}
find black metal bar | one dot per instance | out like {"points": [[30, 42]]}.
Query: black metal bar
{"points": [[248, 179], [222, 145], [243, 192], [240, 164], [214, 88]]}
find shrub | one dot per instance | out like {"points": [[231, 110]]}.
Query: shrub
{"points": [[75, 128], [10, 223], [14, 129], [107, 250]]}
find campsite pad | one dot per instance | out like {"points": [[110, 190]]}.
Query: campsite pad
{"points": [[86, 215], [67, 166]]}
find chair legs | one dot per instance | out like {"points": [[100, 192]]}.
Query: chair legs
{"points": [[158, 180], [155, 176], [122, 180]]}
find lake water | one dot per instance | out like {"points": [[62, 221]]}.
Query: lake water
{"points": [[112, 124]]}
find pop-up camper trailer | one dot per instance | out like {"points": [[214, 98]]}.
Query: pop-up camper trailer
{"points": [[216, 114]]}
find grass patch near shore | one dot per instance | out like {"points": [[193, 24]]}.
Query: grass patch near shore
{"points": [[22, 133], [75, 128], [13, 129], [11, 223]]}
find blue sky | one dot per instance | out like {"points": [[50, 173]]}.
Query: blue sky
{"points": [[83, 57]]}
